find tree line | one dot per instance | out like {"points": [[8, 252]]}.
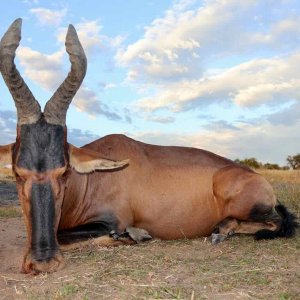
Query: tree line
{"points": [[293, 162]]}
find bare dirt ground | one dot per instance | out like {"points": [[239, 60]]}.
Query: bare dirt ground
{"points": [[239, 268]]}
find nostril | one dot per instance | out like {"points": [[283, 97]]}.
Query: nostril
{"points": [[37, 178]]}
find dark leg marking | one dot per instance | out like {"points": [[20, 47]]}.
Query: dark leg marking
{"points": [[106, 223]]}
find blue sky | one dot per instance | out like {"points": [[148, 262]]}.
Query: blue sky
{"points": [[222, 75]]}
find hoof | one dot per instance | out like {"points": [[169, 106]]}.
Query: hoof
{"points": [[138, 235], [132, 234], [217, 238], [34, 267]]}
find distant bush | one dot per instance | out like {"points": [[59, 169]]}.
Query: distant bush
{"points": [[294, 161], [249, 162], [272, 166], [255, 164]]}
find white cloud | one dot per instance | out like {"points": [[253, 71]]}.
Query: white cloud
{"points": [[252, 83], [46, 70], [47, 16], [89, 35], [175, 45], [261, 51], [91, 38]]}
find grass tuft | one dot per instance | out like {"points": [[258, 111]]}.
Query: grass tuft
{"points": [[10, 212]]}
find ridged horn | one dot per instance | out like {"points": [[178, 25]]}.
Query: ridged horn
{"points": [[28, 109], [56, 108]]}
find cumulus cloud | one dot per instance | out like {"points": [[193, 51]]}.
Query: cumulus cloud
{"points": [[248, 84], [46, 70], [91, 38], [47, 16], [260, 51], [176, 45]]}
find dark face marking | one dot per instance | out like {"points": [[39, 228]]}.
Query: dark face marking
{"points": [[41, 151], [41, 146], [43, 244]]}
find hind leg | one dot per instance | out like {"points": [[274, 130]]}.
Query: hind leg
{"points": [[223, 230], [248, 203], [231, 226]]}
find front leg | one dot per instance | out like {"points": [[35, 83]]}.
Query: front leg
{"points": [[138, 235], [130, 236]]}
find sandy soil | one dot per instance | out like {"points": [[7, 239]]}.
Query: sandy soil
{"points": [[187, 269], [239, 268], [12, 243]]}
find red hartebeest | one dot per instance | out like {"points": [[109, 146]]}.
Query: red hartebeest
{"points": [[170, 192]]}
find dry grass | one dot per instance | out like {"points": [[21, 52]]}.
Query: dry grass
{"points": [[287, 187], [6, 174], [288, 176], [239, 268], [10, 212], [188, 269]]}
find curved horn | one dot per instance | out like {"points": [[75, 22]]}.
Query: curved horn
{"points": [[56, 108], [28, 109]]}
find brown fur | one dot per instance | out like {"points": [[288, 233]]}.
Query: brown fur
{"points": [[172, 192]]}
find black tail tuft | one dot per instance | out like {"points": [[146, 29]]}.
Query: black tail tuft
{"points": [[287, 225], [265, 234]]}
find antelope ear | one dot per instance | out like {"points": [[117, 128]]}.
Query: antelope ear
{"points": [[87, 161], [6, 154]]}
